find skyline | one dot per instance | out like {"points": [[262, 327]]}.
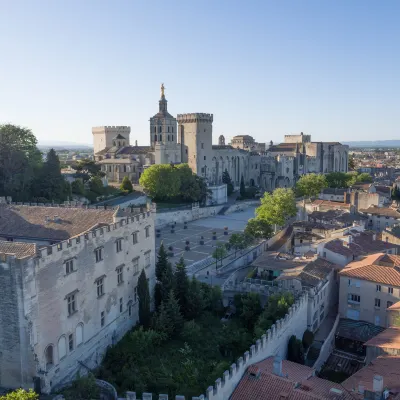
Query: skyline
{"points": [[265, 69]]}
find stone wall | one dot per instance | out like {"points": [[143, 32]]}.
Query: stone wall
{"points": [[242, 205], [327, 347], [188, 215]]}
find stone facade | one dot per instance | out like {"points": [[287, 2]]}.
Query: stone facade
{"points": [[268, 167], [64, 304]]}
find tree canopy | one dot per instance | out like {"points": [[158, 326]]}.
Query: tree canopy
{"points": [[277, 207], [165, 182], [126, 185], [228, 181], [344, 180], [310, 185], [20, 394], [258, 229]]}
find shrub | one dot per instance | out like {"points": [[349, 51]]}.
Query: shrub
{"points": [[308, 338]]}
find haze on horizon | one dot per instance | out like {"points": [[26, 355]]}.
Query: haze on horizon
{"points": [[263, 68]]}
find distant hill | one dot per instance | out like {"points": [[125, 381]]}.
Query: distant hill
{"points": [[57, 145], [374, 143]]}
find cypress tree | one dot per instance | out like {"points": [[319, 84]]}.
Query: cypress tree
{"points": [[162, 322], [174, 312], [126, 185], [242, 187], [144, 300], [162, 262], [181, 286]]}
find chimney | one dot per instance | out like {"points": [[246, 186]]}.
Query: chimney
{"points": [[47, 219], [378, 384], [277, 369], [374, 236], [136, 143]]}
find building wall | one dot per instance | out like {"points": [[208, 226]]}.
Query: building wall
{"points": [[103, 135], [379, 223], [387, 236], [46, 287], [368, 293]]}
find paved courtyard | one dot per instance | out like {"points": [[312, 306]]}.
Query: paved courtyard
{"points": [[235, 223]]}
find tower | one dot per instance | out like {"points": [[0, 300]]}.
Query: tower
{"points": [[105, 137], [195, 139], [163, 134]]}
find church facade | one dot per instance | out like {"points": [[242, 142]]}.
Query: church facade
{"points": [[188, 139]]}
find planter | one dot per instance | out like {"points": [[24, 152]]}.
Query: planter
{"points": [[214, 236], [187, 248], [185, 225], [158, 234], [170, 248], [202, 240], [172, 230], [226, 232], [187, 242]]}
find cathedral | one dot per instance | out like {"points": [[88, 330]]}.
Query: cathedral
{"points": [[188, 139]]}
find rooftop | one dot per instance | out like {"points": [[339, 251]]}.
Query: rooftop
{"points": [[18, 249], [380, 268], [23, 221], [385, 211], [275, 260], [360, 331], [389, 338]]}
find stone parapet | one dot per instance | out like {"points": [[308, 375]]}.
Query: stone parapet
{"points": [[194, 117]]}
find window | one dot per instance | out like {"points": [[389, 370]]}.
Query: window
{"points": [[389, 304], [135, 237], [147, 229], [354, 282], [377, 303], [99, 254], [204, 158], [120, 276], [135, 296], [202, 145], [100, 287], [172, 137], [159, 129], [119, 245], [172, 132], [390, 290], [102, 319], [147, 259], [378, 288], [168, 136], [168, 132], [135, 262], [120, 305], [155, 138], [69, 266], [130, 308], [324, 254], [355, 298], [79, 334], [71, 342], [48, 354], [377, 320], [71, 301], [62, 347]]}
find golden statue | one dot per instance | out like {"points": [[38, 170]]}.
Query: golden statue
{"points": [[162, 90]]}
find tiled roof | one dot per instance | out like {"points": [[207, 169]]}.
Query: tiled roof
{"points": [[274, 260], [296, 383], [335, 191], [30, 221], [386, 366], [135, 150], [389, 338], [19, 249], [119, 136], [104, 151], [385, 211], [314, 225], [283, 147], [369, 269], [361, 331], [394, 307], [331, 204]]}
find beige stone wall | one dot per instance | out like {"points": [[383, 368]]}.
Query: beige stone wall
{"points": [[103, 136]]}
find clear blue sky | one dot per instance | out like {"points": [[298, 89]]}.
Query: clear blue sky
{"points": [[263, 68]]}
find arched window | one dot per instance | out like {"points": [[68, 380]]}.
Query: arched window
{"points": [[155, 129], [168, 138], [155, 138], [119, 143], [124, 168], [172, 137], [160, 138], [168, 129], [79, 334], [159, 129], [49, 356], [62, 347]]}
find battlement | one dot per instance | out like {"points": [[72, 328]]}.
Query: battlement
{"points": [[110, 128], [80, 241], [195, 117]]}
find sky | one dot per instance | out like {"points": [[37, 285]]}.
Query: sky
{"points": [[329, 68]]}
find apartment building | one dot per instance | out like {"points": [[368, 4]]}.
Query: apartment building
{"points": [[68, 279], [368, 287], [381, 218]]}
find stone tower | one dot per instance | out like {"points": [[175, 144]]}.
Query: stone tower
{"points": [[105, 137], [163, 134], [195, 139]]}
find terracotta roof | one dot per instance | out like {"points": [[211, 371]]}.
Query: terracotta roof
{"points": [[18, 249], [394, 307], [385, 211], [389, 338], [30, 221], [296, 383], [369, 269], [135, 150], [330, 204], [386, 366], [274, 260], [334, 191]]}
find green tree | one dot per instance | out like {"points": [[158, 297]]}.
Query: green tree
{"points": [[20, 162], [337, 179], [162, 262], [87, 169], [167, 283], [126, 185], [195, 301], [251, 310], [82, 388], [96, 186], [182, 286], [162, 322], [174, 312], [258, 229], [161, 181], [277, 207], [227, 180], [239, 241], [219, 253], [242, 188], [364, 178], [352, 162], [308, 338], [51, 184], [20, 394], [144, 300], [295, 350], [310, 185], [77, 187]]}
